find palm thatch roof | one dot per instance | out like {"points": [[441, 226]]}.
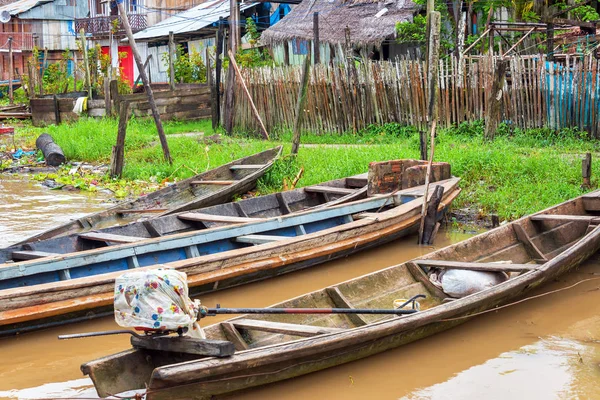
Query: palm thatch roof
{"points": [[370, 21]]}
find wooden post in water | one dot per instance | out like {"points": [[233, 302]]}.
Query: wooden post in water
{"points": [[147, 88], [300, 104], [493, 112], [118, 152], [171, 62], [316, 43], [586, 171], [263, 130], [10, 70], [427, 177]]}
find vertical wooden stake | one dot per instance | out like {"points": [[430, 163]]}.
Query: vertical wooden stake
{"points": [[10, 71], [56, 110], [493, 112], [218, 64], [286, 53], [74, 70], [586, 171], [316, 42], [263, 130], [42, 71], [171, 57], [234, 40], [300, 104], [118, 151], [427, 175], [86, 63], [147, 88]]}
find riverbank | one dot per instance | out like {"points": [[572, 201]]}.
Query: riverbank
{"points": [[519, 173]]}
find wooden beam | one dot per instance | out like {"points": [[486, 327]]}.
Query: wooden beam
{"points": [[142, 210], [247, 166], [263, 130], [284, 328], [207, 182], [171, 61], [200, 217], [108, 237], [10, 70], [316, 41], [420, 275], [329, 189], [565, 218], [518, 42], [340, 301], [184, 344], [259, 239], [147, 88], [524, 238], [118, 151], [475, 266], [232, 334]]}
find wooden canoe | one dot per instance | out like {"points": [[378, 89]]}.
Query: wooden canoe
{"points": [[271, 348], [212, 187], [240, 250]]}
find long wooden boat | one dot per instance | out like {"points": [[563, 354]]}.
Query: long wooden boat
{"points": [[212, 187], [329, 193], [240, 249], [270, 348]]}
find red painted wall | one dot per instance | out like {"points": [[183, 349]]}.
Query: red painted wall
{"points": [[126, 63]]}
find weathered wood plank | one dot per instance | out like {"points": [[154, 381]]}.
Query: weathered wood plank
{"points": [[329, 190], [259, 239], [234, 336], [184, 344], [475, 266], [340, 301], [565, 218], [31, 255], [246, 166], [284, 328], [108, 237], [208, 182], [524, 238], [201, 217]]}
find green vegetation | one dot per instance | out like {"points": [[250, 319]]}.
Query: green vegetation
{"points": [[520, 172], [188, 68]]}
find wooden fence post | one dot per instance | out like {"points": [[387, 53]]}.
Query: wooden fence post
{"points": [[118, 152], [234, 39], [300, 104], [432, 77], [86, 63], [494, 103], [586, 171], [218, 65], [10, 71], [171, 57], [316, 42]]}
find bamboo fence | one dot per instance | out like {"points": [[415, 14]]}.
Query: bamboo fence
{"points": [[342, 98]]}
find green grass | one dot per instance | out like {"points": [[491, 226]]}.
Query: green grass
{"points": [[520, 172]]}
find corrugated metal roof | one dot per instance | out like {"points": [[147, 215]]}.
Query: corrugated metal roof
{"points": [[191, 20], [22, 6]]}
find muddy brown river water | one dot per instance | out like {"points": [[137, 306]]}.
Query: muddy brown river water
{"points": [[545, 348]]}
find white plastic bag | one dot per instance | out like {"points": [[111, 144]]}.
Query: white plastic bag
{"points": [[156, 299], [459, 283]]}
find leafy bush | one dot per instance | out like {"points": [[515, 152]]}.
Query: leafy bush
{"points": [[189, 67]]}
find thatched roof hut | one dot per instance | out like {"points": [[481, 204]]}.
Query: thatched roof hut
{"points": [[371, 22]]}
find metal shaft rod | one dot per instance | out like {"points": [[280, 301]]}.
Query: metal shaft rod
{"points": [[215, 311], [92, 334]]}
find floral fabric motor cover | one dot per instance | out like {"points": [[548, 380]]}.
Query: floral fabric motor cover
{"points": [[156, 299]]}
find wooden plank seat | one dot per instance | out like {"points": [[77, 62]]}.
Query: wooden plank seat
{"points": [[284, 328], [201, 217], [209, 182], [566, 218], [259, 239], [527, 242], [108, 237], [329, 190], [475, 266], [30, 255], [246, 166]]}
